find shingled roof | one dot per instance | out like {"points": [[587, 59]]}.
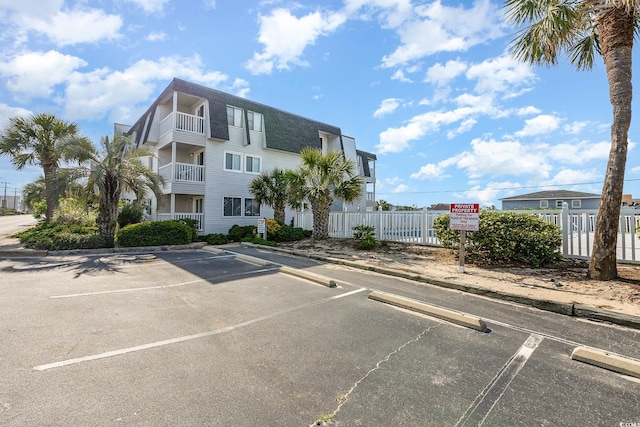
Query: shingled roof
{"points": [[284, 131], [554, 194]]}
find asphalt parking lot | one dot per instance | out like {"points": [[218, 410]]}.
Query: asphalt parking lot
{"points": [[199, 338]]}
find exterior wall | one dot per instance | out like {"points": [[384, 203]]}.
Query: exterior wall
{"points": [[535, 204]]}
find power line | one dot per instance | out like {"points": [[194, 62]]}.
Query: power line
{"points": [[501, 188]]}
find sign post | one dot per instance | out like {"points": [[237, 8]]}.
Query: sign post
{"points": [[262, 228], [464, 217]]}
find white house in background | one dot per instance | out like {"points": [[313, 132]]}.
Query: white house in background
{"points": [[210, 145]]}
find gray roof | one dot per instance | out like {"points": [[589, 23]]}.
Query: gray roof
{"points": [[554, 194], [284, 131]]}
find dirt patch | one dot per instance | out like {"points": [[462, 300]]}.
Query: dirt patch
{"points": [[564, 281]]}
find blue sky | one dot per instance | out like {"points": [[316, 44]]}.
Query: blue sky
{"points": [[429, 86]]}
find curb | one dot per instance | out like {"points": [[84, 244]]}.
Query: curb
{"points": [[573, 310], [22, 253], [606, 360], [458, 318], [330, 283], [26, 253]]}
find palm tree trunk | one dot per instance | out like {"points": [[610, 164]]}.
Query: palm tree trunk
{"points": [[615, 28], [279, 212], [321, 210], [49, 192], [108, 210]]}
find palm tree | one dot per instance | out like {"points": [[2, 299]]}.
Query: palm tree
{"points": [[271, 189], [116, 169], [321, 179], [582, 29], [45, 141]]}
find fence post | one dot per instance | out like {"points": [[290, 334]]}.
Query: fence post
{"points": [[565, 229], [379, 227], [425, 225]]}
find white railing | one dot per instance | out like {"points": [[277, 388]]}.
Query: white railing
{"points": [[417, 227], [184, 122], [198, 217], [182, 172]]}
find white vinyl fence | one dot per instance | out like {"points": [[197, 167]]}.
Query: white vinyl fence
{"points": [[416, 227]]}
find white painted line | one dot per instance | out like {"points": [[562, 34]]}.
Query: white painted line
{"points": [[479, 410], [189, 337]]}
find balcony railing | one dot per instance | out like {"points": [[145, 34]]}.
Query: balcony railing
{"points": [[197, 217], [184, 122], [182, 172]]}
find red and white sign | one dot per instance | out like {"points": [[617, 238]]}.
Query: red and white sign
{"points": [[464, 216]]}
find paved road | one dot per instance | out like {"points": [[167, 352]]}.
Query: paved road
{"points": [[196, 338], [11, 224]]}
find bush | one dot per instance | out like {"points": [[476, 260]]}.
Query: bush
{"points": [[273, 227], [73, 212], [54, 236], [129, 214], [259, 241], [215, 239], [239, 232], [193, 225], [172, 232], [505, 237], [365, 237], [289, 234]]}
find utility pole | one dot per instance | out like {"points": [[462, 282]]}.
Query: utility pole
{"points": [[15, 199], [4, 199]]}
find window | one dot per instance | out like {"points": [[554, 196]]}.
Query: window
{"points": [[232, 206], [252, 164], [234, 116], [559, 203], [544, 204], [255, 121], [251, 207], [576, 204], [232, 162]]}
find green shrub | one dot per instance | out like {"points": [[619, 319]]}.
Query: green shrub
{"points": [[215, 239], [505, 237], [73, 212], [129, 214], [365, 237], [366, 244], [172, 232], [53, 236], [193, 225], [259, 241], [239, 232], [289, 234]]}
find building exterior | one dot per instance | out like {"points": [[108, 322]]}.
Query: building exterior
{"points": [[551, 200], [210, 145]]}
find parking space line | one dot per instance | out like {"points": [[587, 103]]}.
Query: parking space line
{"points": [[163, 286], [479, 410], [191, 337]]}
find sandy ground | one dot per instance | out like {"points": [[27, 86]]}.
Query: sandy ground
{"points": [[565, 281]]}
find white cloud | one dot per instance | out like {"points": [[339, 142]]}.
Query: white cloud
{"points": [[431, 171], [393, 13], [95, 94], [151, 6], [399, 75], [6, 112], [495, 158], [387, 106], [156, 36], [541, 124], [401, 188], [35, 74], [441, 75], [526, 111], [285, 37], [575, 127], [439, 28], [464, 127], [74, 26], [210, 4], [580, 152], [500, 74], [567, 177], [487, 195]]}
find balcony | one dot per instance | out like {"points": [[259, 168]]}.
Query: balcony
{"points": [[184, 128], [187, 178]]}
